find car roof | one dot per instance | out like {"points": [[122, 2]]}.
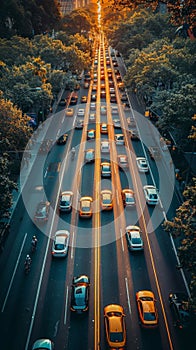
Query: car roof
{"points": [[62, 233], [133, 228], [87, 198], [67, 193], [42, 344]]}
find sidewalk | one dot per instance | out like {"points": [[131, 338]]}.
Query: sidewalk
{"points": [[33, 151]]}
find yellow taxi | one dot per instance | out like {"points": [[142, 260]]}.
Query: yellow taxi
{"points": [[85, 210], [104, 128], [147, 309], [69, 112], [115, 326]]}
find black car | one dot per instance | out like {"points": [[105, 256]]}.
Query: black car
{"points": [[62, 139], [73, 99], [62, 102], [80, 293], [181, 310], [42, 211]]}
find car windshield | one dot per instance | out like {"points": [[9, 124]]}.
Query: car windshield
{"points": [[153, 196], [85, 206], [106, 168], [129, 199], [149, 316], [136, 240], [65, 202], [106, 199], [59, 246], [116, 337]]}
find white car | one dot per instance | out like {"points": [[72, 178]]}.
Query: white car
{"points": [[60, 244], [114, 110], [103, 110], [105, 146], [93, 106], [116, 123], [134, 239], [81, 112], [92, 117], [122, 161], [119, 139], [142, 164], [105, 169], [151, 194]]}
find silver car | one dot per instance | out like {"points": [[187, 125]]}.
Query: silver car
{"points": [[66, 199], [151, 194], [134, 239], [60, 244]]}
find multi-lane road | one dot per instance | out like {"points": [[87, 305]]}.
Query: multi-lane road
{"points": [[37, 305]]}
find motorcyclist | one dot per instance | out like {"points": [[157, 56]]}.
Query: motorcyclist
{"points": [[73, 152], [28, 261], [34, 243]]}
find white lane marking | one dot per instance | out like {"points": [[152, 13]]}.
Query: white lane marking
{"points": [[121, 239], [44, 259], [46, 172], [128, 298], [66, 301], [56, 328], [63, 119], [72, 248], [16, 266], [58, 132]]}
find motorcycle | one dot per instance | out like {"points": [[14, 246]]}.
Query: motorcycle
{"points": [[33, 244], [27, 265]]}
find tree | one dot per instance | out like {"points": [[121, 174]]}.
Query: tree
{"points": [[26, 18], [6, 187], [14, 127], [184, 226]]}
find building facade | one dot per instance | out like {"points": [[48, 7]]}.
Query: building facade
{"points": [[66, 6]]}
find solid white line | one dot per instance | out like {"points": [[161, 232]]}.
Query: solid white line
{"points": [[72, 248], [44, 261], [128, 298], [16, 265], [121, 239], [66, 301]]}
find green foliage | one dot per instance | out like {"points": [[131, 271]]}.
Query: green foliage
{"points": [[26, 18], [184, 226], [6, 186]]}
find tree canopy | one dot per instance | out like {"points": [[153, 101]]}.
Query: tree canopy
{"points": [[28, 18], [184, 226]]}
